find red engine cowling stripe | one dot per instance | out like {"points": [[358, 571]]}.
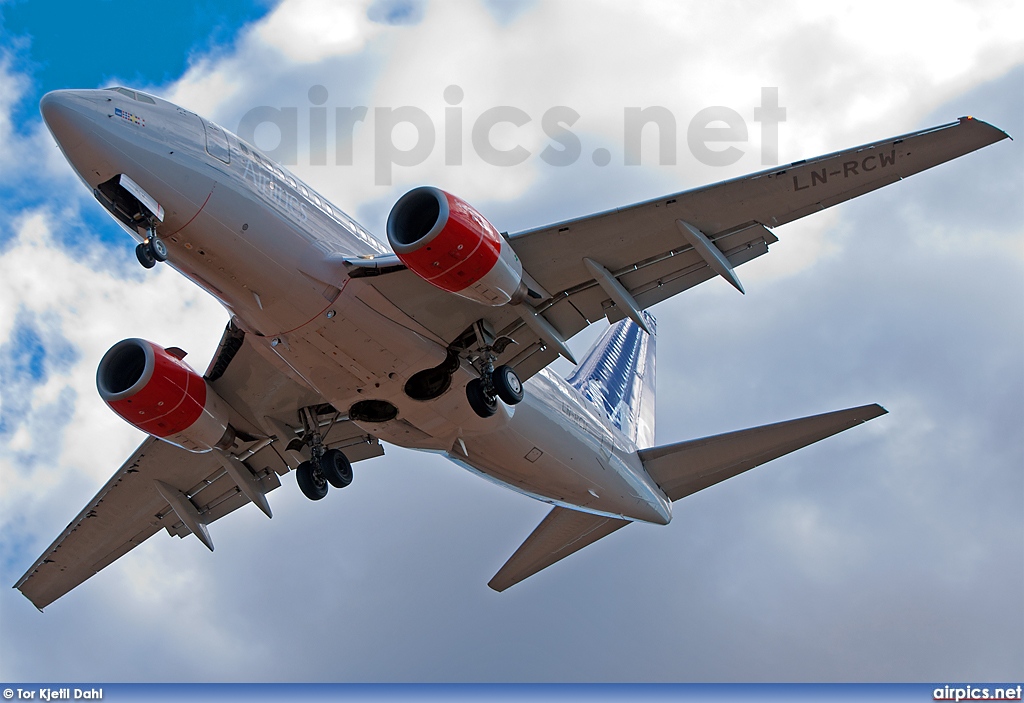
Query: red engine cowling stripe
{"points": [[170, 403], [461, 254]]}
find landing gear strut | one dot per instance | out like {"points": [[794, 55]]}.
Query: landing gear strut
{"points": [[327, 467], [151, 250], [494, 383]]}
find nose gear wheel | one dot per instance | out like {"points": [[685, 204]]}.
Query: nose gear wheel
{"points": [[151, 250]]}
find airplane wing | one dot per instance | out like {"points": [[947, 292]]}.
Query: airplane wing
{"points": [[681, 469], [164, 487], [656, 249]]}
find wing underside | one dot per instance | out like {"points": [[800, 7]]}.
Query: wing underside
{"points": [[162, 486], [657, 249]]}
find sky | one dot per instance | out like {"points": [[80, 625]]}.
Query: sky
{"points": [[892, 552]]}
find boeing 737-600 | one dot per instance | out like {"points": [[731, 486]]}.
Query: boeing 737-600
{"points": [[337, 344]]}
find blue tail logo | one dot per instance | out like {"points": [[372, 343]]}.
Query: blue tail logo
{"points": [[617, 375]]}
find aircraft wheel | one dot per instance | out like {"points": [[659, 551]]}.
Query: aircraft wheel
{"points": [[311, 481], [145, 256], [158, 249], [336, 468], [482, 404], [507, 384]]}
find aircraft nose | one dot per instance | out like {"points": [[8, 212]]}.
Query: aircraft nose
{"points": [[65, 114]]}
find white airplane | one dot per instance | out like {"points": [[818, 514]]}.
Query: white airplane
{"points": [[336, 344]]}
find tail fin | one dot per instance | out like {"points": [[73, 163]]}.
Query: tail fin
{"points": [[617, 375]]}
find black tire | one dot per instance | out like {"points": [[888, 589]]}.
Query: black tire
{"points": [[311, 481], [158, 249], [336, 468], [145, 256], [507, 385], [482, 404]]}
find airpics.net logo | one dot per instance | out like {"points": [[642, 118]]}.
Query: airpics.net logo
{"points": [[714, 136], [977, 693]]}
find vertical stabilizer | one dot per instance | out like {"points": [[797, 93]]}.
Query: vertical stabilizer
{"points": [[617, 375]]}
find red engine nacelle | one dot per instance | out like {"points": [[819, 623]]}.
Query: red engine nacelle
{"points": [[452, 246], [154, 390]]}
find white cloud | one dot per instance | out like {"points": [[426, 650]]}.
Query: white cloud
{"points": [[12, 87], [309, 31]]}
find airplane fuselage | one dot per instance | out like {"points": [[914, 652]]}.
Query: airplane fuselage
{"points": [[273, 252]]}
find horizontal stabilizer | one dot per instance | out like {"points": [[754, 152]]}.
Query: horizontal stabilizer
{"points": [[684, 468], [680, 469], [560, 534]]}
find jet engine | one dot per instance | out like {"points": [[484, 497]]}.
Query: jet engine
{"points": [[452, 246], [154, 390]]}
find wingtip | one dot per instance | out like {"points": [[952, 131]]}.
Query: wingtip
{"points": [[1002, 134], [870, 412]]}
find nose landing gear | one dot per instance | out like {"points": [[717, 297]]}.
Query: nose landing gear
{"points": [[151, 250]]}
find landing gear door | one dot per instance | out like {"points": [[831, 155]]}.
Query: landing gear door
{"points": [[216, 142], [155, 209]]}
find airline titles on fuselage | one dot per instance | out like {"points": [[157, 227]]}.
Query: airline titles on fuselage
{"points": [[273, 189], [289, 194]]}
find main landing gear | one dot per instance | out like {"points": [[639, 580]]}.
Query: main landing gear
{"points": [[151, 250], [326, 468], [494, 384], [503, 384], [315, 477]]}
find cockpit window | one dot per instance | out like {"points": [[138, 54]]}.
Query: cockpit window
{"points": [[141, 97]]}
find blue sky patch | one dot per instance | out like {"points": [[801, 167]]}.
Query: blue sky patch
{"points": [[396, 12], [147, 43]]}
